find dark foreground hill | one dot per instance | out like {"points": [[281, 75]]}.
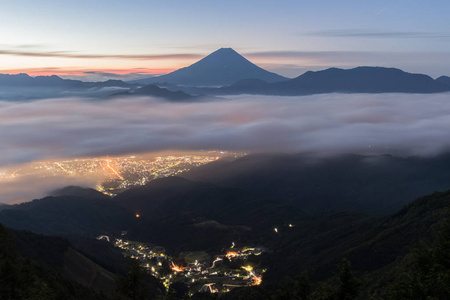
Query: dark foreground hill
{"points": [[185, 215], [38, 267], [402, 256], [373, 185], [173, 212], [68, 215], [318, 245]]}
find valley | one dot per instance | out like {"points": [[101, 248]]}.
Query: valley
{"points": [[113, 175], [224, 150], [199, 271], [223, 240]]}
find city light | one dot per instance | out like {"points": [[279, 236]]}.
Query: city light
{"points": [[112, 174]]}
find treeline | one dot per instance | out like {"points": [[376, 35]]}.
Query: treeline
{"points": [[21, 278], [422, 274]]}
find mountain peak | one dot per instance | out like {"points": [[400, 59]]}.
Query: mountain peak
{"points": [[224, 58], [225, 51], [223, 67]]}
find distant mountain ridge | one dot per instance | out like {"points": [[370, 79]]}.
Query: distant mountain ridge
{"points": [[25, 79], [53, 81], [226, 72], [334, 80], [20, 87], [222, 67], [363, 79], [444, 80]]}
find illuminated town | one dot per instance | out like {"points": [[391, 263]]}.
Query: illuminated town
{"points": [[116, 174], [200, 271]]}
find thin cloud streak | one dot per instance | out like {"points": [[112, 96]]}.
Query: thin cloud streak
{"points": [[67, 54], [89, 74], [336, 55], [360, 33]]}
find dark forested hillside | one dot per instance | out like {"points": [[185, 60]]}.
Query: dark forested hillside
{"points": [[183, 214], [375, 185], [309, 213], [68, 215], [402, 256], [22, 278]]}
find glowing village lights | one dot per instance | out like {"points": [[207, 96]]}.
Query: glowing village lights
{"points": [[231, 254], [198, 270], [247, 268], [176, 268]]}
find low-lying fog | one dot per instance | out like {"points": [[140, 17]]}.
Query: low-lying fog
{"points": [[402, 124]]}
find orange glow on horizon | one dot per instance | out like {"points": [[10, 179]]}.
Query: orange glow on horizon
{"points": [[84, 72]]}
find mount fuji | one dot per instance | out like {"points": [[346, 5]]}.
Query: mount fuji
{"points": [[221, 68]]}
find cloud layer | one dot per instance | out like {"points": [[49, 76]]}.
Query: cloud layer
{"points": [[27, 188], [401, 124], [361, 123]]}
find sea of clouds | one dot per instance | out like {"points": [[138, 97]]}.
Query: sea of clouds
{"points": [[399, 124]]}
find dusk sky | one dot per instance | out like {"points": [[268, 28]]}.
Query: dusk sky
{"points": [[95, 40]]}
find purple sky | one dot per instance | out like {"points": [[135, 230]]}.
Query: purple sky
{"points": [[103, 39]]}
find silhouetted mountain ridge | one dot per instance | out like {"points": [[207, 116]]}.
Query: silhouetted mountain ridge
{"points": [[53, 81], [334, 80], [68, 215], [23, 79], [76, 191], [222, 67], [225, 72], [364, 80], [444, 80], [22, 87]]}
